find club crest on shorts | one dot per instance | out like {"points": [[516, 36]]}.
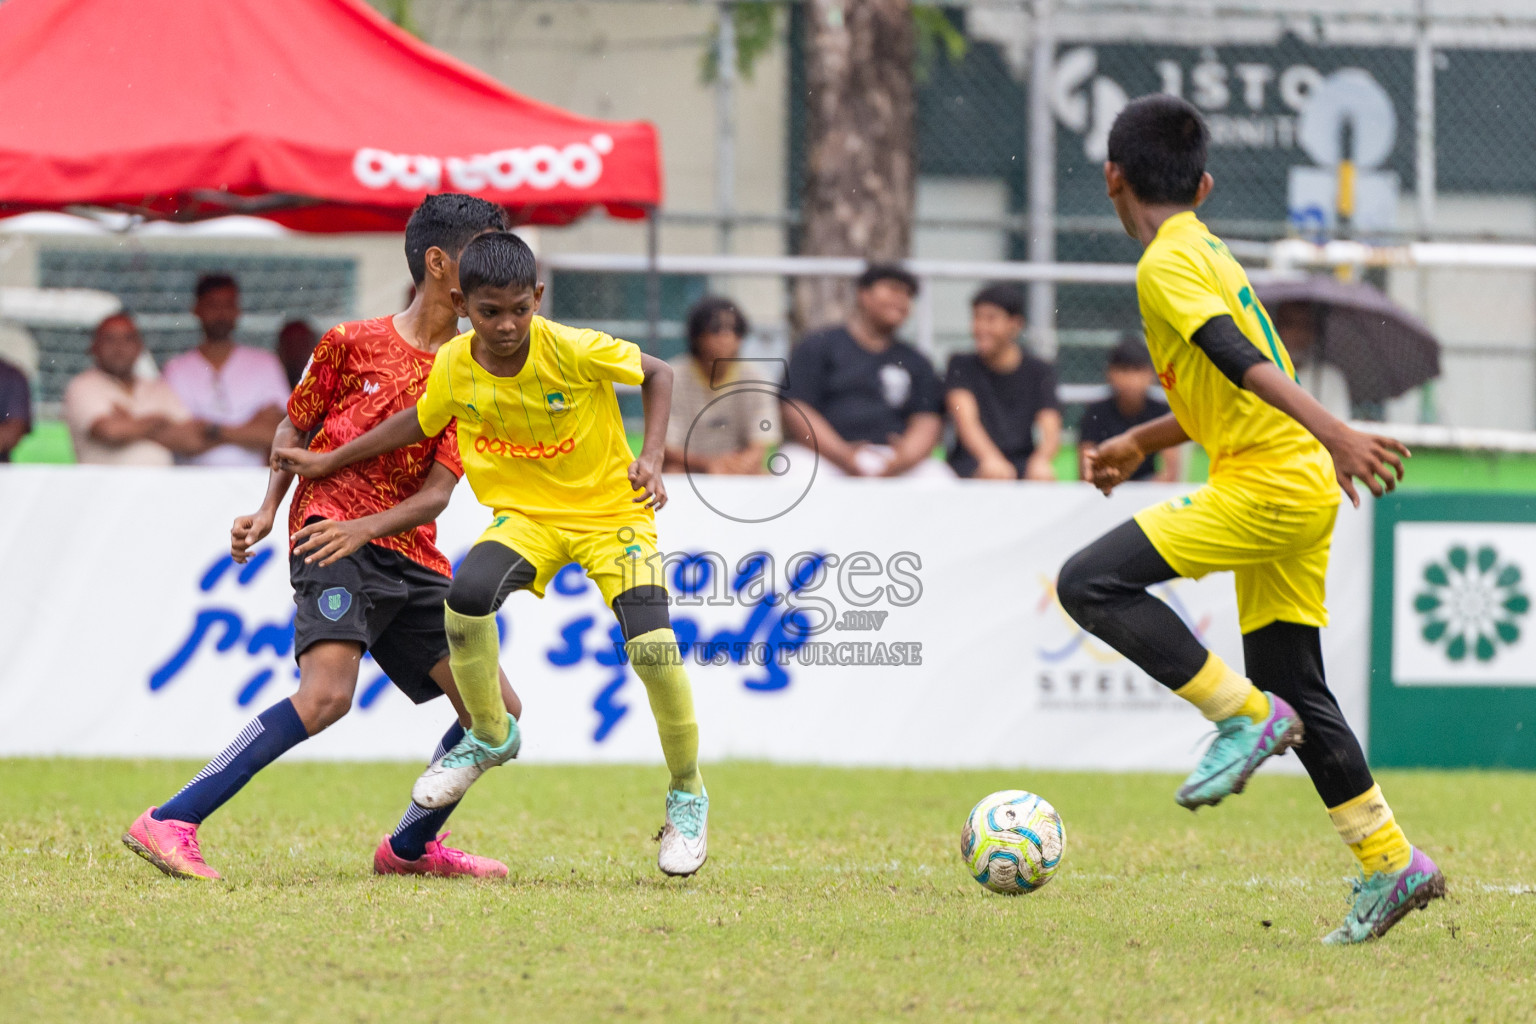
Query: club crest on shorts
{"points": [[334, 602]]}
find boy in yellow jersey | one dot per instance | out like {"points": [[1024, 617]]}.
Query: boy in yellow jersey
{"points": [[544, 448], [1278, 461]]}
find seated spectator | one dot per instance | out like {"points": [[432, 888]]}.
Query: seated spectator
{"points": [[868, 403], [295, 344], [118, 419], [1000, 397], [239, 392], [15, 409], [715, 428], [1130, 376]]}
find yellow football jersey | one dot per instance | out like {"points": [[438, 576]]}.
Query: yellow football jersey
{"points": [[1186, 277], [549, 442]]}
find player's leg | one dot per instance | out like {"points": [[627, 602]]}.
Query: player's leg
{"points": [[1286, 658], [1104, 588], [654, 653], [514, 554], [413, 652], [624, 563], [417, 845], [166, 835], [646, 623], [489, 573]]}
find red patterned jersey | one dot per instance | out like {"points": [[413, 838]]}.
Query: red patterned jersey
{"points": [[361, 374]]}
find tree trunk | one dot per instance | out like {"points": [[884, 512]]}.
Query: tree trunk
{"points": [[860, 169]]}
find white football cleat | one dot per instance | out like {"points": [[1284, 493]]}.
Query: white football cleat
{"points": [[685, 837], [447, 779]]}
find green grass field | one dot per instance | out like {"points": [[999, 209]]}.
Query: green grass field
{"points": [[830, 895]]}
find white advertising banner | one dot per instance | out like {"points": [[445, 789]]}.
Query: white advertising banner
{"points": [[850, 622]]}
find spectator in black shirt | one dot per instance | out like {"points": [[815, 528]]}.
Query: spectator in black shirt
{"points": [[1001, 396], [868, 403], [15, 409], [1130, 376]]}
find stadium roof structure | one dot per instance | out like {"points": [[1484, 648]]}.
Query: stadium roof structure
{"points": [[318, 114]]}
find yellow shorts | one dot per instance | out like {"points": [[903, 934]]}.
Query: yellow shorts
{"points": [[1279, 553], [618, 552]]}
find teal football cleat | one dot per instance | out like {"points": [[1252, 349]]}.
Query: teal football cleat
{"points": [[1240, 746], [447, 779], [1385, 898], [685, 836]]}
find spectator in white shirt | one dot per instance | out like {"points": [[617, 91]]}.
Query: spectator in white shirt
{"points": [[239, 392], [118, 419]]}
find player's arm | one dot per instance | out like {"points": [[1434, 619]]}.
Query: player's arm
{"points": [[1356, 456], [991, 463], [399, 431], [656, 396], [329, 540], [1110, 464], [248, 531]]}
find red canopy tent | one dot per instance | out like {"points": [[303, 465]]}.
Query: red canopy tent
{"points": [[318, 114]]}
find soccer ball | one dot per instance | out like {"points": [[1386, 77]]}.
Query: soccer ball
{"points": [[1012, 841]]}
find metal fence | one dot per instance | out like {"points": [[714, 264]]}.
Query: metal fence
{"points": [[157, 288], [1427, 99], [1426, 103]]}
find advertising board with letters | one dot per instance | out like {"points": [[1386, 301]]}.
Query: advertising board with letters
{"points": [[850, 622]]}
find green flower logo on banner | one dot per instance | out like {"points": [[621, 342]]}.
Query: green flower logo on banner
{"points": [[1472, 603]]}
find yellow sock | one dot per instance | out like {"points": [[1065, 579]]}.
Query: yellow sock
{"points": [[659, 664], [1369, 829], [1221, 693], [474, 649]]}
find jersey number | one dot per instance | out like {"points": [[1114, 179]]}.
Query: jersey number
{"points": [[1252, 305]]}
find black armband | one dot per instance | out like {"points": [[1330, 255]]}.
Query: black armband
{"points": [[1228, 347]]}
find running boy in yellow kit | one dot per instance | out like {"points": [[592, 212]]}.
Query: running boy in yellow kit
{"points": [[1278, 461], [544, 448]]}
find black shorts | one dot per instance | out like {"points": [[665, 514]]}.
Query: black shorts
{"points": [[382, 600]]}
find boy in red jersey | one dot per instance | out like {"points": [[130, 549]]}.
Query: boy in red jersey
{"points": [[366, 572]]}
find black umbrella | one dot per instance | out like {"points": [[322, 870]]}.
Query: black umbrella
{"points": [[1381, 348]]}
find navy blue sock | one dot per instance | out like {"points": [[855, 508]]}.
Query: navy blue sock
{"points": [[419, 826], [268, 736]]}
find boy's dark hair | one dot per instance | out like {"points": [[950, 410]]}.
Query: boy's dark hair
{"points": [[1130, 353], [213, 282], [447, 221], [1160, 143], [1007, 297], [877, 272], [497, 259], [709, 314]]}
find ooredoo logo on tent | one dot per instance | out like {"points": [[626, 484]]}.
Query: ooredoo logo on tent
{"points": [[542, 167]]}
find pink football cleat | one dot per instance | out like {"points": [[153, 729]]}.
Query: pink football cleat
{"points": [[442, 861], [170, 846]]}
